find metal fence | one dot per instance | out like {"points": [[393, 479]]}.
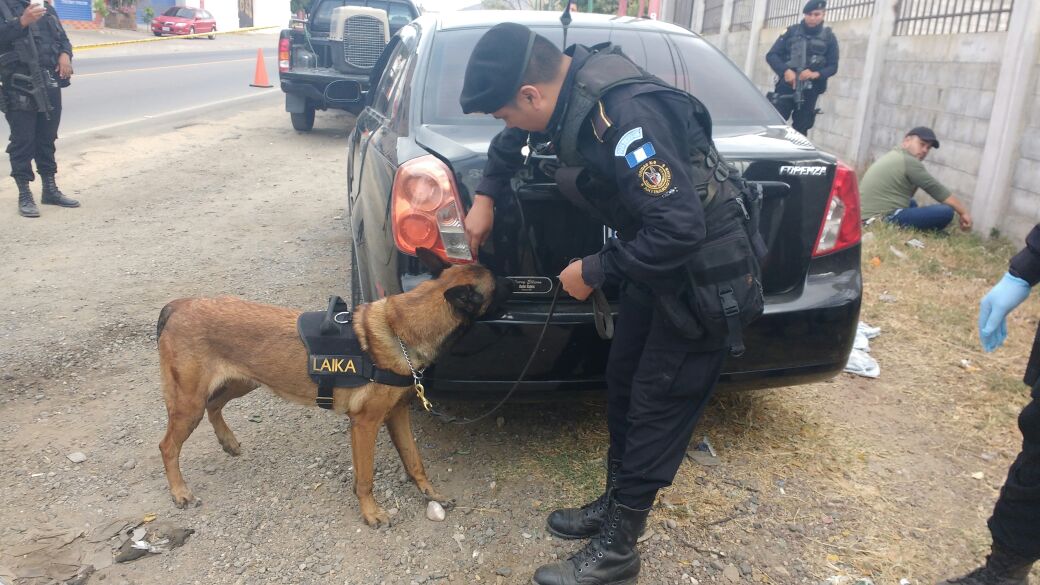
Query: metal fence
{"points": [[784, 13], [712, 23], [743, 13], [938, 17]]}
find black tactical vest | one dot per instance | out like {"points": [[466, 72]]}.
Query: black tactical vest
{"points": [[721, 290]]}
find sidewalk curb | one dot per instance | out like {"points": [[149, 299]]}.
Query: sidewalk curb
{"points": [[169, 38]]}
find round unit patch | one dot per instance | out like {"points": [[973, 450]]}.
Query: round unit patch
{"points": [[655, 176]]}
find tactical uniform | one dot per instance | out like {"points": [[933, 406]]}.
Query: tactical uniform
{"points": [[648, 162], [1015, 523], [822, 57], [33, 132]]}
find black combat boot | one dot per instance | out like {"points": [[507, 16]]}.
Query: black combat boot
{"points": [[26, 205], [584, 522], [1002, 567], [53, 196], [610, 558]]}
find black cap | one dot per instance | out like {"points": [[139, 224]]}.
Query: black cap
{"points": [[496, 67], [814, 5], [926, 134]]}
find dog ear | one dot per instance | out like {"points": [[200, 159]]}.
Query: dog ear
{"points": [[431, 261], [466, 300]]}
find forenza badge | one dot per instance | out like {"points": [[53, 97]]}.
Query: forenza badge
{"points": [[655, 177]]}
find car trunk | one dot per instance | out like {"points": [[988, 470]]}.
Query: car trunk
{"points": [[538, 232]]}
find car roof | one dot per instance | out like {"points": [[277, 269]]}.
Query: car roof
{"points": [[461, 19]]}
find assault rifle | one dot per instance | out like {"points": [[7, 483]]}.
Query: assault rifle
{"points": [[800, 60], [34, 84]]}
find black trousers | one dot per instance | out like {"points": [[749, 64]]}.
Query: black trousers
{"points": [[32, 137], [1015, 524], [657, 390], [804, 117]]}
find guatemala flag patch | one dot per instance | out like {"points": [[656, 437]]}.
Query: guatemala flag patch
{"points": [[640, 154]]}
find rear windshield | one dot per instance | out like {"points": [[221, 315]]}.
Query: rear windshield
{"points": [[397, 13], [696, 67]]}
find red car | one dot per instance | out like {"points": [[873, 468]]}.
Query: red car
{"points": [[181, 20]]}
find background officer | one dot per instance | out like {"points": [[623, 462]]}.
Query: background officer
{"points": [[32, 132], [637, 140], [1015, 523], [821, 56]]}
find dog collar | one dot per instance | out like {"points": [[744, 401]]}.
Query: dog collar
{"points": [[417, 376]]}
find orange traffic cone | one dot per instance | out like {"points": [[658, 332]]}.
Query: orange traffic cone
{"points": [[260, 78]]}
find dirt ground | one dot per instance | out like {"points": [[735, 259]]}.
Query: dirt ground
{"points": [[884, 479]]}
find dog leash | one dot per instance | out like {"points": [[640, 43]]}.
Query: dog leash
{"points": [[604, 327]]}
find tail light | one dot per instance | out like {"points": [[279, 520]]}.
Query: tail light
{"points": [[427, 212], [284, 46], [841, 220]]}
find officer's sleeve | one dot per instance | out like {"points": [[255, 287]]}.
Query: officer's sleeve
{"points": [[1026, 264], [504, 160], [10, 30], [657, 183], [831, 68], [63, 39], [775, 57]]}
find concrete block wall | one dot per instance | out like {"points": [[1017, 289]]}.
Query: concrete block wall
{"points": [[834, 127], [947, 83], [1024, 201], [737, 46]]}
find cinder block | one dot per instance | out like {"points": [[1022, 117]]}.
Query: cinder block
{"points": [[1029, 147]]}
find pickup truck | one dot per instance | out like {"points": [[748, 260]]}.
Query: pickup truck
{"points": [[325, 58]]}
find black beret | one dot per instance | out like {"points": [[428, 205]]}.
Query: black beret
{"points": [[814, 5], [496, 68]]}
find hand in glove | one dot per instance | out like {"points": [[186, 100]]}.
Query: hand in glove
{"points": [[994, 309]]}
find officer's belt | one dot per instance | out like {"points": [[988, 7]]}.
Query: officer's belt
{"points": [[334, 355]]}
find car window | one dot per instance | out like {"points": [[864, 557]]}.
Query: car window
{"points": [[384, 92], [172, 11], [694, 66]]}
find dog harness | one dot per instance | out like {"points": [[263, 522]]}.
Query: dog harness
{"points": [[334, 355]]}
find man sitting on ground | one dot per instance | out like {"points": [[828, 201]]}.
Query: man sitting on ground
{"points": [[887, 188]]}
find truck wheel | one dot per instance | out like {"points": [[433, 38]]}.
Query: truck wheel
{"points": [[303, 122], [355, 285]]}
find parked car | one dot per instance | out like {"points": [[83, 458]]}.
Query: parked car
{"points": [[327, 58], [414, 160], [181, 20]]}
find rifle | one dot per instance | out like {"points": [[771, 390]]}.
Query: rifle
{"points": [[34, 84]]}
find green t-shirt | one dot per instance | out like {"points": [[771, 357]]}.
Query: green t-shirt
{"points": [[891, 182]]}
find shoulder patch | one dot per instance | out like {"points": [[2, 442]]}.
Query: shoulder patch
{"points": [[627, 139], [640, 154], [655, 177]]}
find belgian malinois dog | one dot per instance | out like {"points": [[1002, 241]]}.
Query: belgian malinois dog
{"points": [[212, 350]]}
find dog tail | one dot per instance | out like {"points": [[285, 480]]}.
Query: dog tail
{"points": [[164, 316]]}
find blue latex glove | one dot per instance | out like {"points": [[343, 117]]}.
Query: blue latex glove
{"points": [[993, 311]]}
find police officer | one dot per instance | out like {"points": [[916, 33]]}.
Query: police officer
{"points": [[822, 63], [1015, 523], [33, 132], [635, 137]]}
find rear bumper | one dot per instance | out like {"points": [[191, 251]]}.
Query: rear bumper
{"points": [[312, 88], [803, 337]]}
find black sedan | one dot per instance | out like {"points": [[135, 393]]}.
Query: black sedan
{"points": [[415, 159]]}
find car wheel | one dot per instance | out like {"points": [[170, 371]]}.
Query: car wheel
{"points": [[158, 34], [355, 286], [305, 121], [212, 30]]}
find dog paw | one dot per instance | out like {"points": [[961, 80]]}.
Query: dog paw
{"points": [[233, 449], [187, 501], [446, 502], [377, 519]]}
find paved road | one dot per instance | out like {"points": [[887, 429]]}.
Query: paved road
{"points": [[155, 89]]}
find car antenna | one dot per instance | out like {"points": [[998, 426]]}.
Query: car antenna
{"points": [[565, 19]]}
